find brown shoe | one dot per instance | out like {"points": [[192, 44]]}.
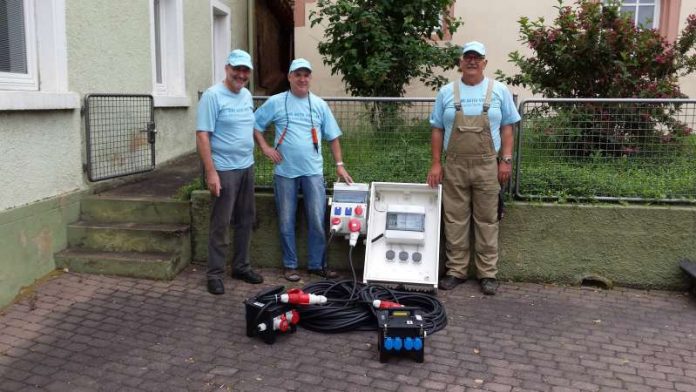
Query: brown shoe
{"points": [[449, 282], [291, 275]]}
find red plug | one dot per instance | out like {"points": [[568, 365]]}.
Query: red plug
{"points": [[280, 323], [354, 227], [293, 316], [335, 224], [298, 297], [384, 304]]}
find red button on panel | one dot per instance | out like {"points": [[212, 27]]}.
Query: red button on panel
{"points": [[358, 211]]}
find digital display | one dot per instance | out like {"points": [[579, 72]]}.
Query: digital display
{"points": [[350, 196], [401, 313], [406, 221]]}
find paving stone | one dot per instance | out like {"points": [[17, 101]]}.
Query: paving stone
{"points": [[87, 332]]}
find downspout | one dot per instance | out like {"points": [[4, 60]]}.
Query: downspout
{"points": [[250, 39]]}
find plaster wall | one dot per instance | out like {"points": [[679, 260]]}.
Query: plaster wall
{"points": [[40, 156], [108, 48], [688, 84]]}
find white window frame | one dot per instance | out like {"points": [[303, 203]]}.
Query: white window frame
{"points": [[45, 86], [220, 49], [29, 80], [636, 6], [172, 89]]}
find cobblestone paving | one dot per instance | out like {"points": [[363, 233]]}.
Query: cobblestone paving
{"points": [[95, 333]]}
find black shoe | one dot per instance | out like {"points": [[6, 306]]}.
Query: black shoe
{"points": [[248, 276], [324, 273], [216, 287], [489, 286], [449, 282]]}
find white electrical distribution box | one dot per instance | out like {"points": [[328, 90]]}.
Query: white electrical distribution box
{"points": [[403, 235], [349, 202]]}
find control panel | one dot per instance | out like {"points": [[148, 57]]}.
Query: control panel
{"points": [[349, 208]]}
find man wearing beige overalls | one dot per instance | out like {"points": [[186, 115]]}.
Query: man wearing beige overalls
{"points": [[472, 122]]}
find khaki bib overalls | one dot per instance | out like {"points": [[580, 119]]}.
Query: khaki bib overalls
{"points": [[470, 188]]}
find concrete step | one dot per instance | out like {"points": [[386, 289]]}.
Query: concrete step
{"points": [[130, 237], [129, 209], [150, 265]]}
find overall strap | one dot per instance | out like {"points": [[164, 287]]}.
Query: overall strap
{"points": [[457, 98], [489, 94]]}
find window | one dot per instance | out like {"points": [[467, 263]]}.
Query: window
{"points": [[167, 38], [33, 56], [645, 13], [662, 15], [17, 48]]}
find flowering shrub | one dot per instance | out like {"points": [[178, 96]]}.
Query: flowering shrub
{"points": [[593, 51]]}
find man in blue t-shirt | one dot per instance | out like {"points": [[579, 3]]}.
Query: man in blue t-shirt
{"points": [[225, 141], [302, 120], [472, 123]]}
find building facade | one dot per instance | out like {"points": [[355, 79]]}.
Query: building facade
{"points": [[494, 23], [55, 52]]}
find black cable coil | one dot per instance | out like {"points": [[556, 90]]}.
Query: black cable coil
{"points": [[349, 307]]}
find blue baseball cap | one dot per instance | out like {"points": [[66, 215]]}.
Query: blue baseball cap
{"points": [[300, 63], [239, 58], [474, 46]]}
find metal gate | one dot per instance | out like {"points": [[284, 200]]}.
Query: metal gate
{"points": [[120, 135]]}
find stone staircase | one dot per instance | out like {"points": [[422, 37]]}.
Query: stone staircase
{"points": [[129, 236]]}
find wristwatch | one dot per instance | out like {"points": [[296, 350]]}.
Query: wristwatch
{"points": [[507, 159]]}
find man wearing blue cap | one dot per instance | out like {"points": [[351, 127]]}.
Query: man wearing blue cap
{"points": [[472, 123], [225, 141], [302, 120]]}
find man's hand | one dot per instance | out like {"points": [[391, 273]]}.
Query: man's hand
{"points": [[435, 175], [504, 172], [213, 181], [272, 154], [342, 173]]}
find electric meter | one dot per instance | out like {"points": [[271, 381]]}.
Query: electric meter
{"points": [[405, 224]]}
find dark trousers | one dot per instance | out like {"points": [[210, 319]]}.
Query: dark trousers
{"points": [[235, 206]]}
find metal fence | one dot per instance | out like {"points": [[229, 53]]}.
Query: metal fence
{"points": [[384, 139], [120, 135], [607, 149], [566, 149]]}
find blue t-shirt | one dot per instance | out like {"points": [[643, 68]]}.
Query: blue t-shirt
{"points": [[297, 149], [229, 118], [501, 112]]}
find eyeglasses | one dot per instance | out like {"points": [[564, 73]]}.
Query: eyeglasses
{"points": [[473, 58]]}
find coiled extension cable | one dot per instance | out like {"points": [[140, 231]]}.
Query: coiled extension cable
{"points": [[350, 305]]}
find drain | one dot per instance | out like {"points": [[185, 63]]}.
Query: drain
{"points": [[596, 282]]}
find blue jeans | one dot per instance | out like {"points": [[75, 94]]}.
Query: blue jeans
{"points": [[314, 197]]}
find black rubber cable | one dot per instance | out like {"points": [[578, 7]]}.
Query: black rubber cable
{"points": [[349, 305]]}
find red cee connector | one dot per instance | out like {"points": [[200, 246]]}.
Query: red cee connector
{"points": [[335, 224], [384, 304], [298, 297], [280, 323], [293, 316]]}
